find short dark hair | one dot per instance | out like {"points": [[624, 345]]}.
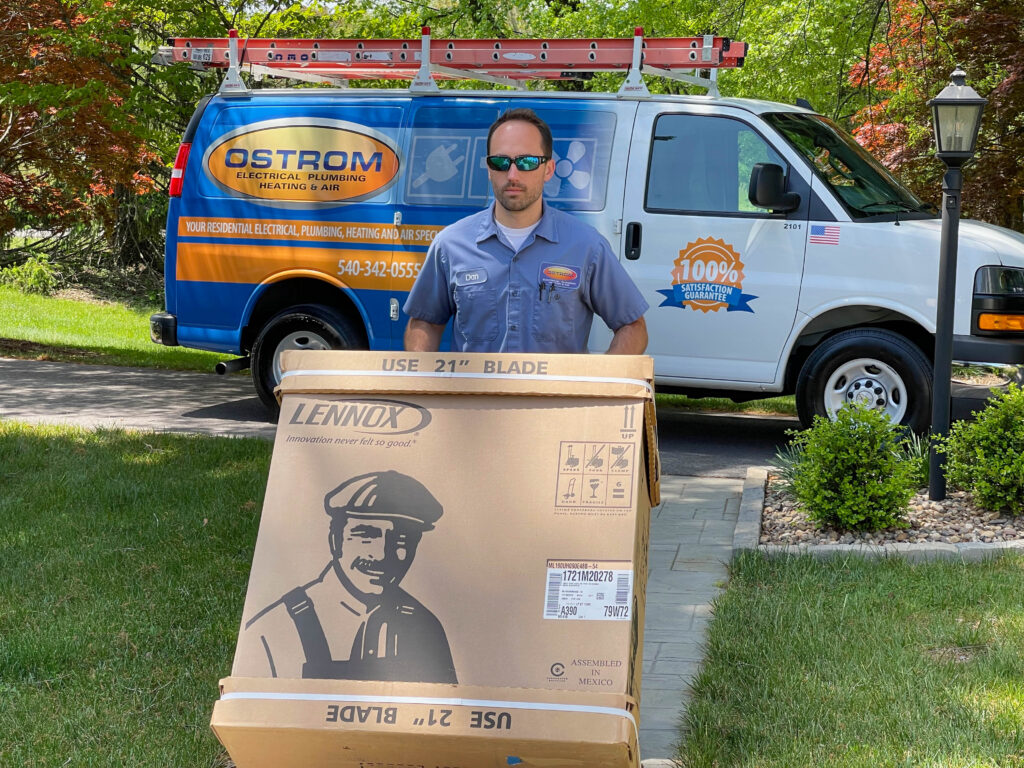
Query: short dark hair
{"points": [[527, 116]]}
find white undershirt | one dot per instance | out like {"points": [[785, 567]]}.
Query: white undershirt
{"points": [[516, 237]]}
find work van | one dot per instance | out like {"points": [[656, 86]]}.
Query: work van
{"points": [[776, 254]]}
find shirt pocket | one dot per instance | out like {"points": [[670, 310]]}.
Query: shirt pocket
{"points": [[476, 312], [555, 315]]}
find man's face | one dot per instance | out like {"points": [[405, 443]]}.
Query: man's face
{"points": [[517, 190], [373, 554]]}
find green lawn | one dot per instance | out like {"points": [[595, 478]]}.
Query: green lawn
{"points": [[853, 662], [48, 328], [124, 564]]}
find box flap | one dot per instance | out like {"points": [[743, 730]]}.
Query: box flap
{"points": [[310, 372]]}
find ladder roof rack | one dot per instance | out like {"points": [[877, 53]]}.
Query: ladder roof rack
{"points": [[511, 62]]}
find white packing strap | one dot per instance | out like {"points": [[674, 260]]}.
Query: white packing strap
{"points": [[432, 701], [468, 375]]}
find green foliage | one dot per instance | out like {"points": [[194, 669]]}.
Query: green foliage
{"points": [[917, 450], [34, 275], [853, 473], [784, 465], [986, 456]]}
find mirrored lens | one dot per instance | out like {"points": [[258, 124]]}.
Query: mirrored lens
{"points": [[522, 162], [499, 162]]}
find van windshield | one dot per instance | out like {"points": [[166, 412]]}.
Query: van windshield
{"points": [[863, 184]]}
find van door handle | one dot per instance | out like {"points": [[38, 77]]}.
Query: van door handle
{"points": [[634, 236]]}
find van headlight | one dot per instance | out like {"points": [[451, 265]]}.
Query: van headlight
{"points": [[999, 299]]}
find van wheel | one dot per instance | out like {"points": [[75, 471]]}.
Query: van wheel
{"points": [[871, 367], [310, 326]]}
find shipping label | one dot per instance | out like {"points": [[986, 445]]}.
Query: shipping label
{"points": [[589, 590]]}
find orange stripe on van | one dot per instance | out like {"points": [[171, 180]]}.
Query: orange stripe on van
{"points": [[376, 270], [306, 231]]}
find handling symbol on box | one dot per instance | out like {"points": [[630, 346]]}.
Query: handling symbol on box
{"points": [[619, 452], [595, 461], [572, 461], [570, 493]]}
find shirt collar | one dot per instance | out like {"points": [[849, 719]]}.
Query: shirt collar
{"points": [[547, 227]]}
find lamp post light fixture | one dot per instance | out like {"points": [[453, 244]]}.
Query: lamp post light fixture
{"points": [[956, 115]]}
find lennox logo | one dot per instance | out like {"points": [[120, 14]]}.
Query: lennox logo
{"points": [[378, 417]]}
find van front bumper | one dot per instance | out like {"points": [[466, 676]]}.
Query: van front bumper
{"points": [[989, 349], [163, 329]]}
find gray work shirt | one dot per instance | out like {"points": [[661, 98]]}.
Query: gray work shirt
{"points": [[540, 299]]}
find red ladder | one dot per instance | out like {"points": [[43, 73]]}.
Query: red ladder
{"points": [[508, 62]]}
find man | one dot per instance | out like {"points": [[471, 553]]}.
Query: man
{"points": [[354, 622], [521, 276]]}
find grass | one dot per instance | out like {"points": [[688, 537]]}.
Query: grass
{"points": [[50, 328], [125, 559], [853, 662]]}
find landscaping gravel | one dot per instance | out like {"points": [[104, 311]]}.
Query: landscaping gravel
{"points": [[953, 520]]}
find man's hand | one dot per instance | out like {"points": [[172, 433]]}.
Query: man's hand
{"points": [[630, 339], [421, 336]]}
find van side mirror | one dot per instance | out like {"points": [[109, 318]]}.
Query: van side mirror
{"points": [[768, 188]]}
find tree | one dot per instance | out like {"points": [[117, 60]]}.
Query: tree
{"points": [[923, 43], [66, 143]]}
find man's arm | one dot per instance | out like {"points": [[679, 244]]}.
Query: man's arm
{"points": [[421, 336], [630, 339]]}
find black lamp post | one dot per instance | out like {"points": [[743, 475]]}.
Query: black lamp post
{"points": [[956, 114]]}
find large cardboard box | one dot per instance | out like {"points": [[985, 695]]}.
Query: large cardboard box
{"points": [[450, 566]]}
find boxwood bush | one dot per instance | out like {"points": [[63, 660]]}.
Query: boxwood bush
{"points": [[985, 457], [854, 472]]}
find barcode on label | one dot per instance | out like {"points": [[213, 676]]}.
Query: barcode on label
{"points": [[554, 588], [622, 589]]}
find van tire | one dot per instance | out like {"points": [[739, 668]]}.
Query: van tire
{"points": [[880, 367], [309, 326]]}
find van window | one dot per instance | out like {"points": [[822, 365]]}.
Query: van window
{"points": [[863, 184], [702, 164]]}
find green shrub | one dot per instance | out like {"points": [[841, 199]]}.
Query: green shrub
{"points": [[34, 275], [985, 457], [854, 473]]}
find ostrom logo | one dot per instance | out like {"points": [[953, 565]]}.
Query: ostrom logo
{"points": [[365, 415], [305, 160], [561, 273]]}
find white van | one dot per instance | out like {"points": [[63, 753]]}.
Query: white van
{"points": [[777, 255]]}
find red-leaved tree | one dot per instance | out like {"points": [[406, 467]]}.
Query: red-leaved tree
{"points": [[66, 143], [911, 63]]}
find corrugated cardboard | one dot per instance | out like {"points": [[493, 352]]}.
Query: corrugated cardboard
{"points": [[451, 564]]}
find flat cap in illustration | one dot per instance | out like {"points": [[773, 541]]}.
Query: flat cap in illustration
{"points": [[386, 494]]}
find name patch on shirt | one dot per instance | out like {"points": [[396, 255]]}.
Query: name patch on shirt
{"points": [[561, 275], [471, 277]]}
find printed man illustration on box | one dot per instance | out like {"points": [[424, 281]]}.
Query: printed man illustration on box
{"points": [[354, 622]]}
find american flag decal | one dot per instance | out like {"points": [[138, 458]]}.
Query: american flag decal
{"points": [[824, 234]]}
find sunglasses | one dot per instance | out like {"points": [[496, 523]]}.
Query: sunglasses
{"points": [[522, 162]]}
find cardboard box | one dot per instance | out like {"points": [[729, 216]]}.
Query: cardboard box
{"points": [[451, 564]]}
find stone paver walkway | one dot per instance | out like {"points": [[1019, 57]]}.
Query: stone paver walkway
{"points": [[691, 546]]}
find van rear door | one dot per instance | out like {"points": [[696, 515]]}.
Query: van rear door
{"points": [[722, 276]]}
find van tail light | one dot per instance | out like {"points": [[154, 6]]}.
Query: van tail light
{"points": [[178, 172]]}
